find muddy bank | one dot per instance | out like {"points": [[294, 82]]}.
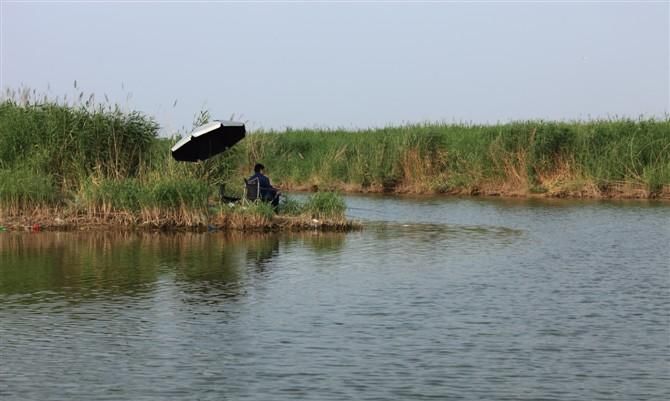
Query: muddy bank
{"points": [[612, 190], [33, 222]]}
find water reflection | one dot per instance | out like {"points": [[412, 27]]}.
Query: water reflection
{"points": [[428, 231], [440, 299], [80, 266], [325, 242], [261, 249], [75, 266]]}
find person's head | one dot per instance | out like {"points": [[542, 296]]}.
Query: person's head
{"points": [[258, 168]]}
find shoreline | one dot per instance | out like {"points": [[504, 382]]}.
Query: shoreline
{"points": [[613, 191], [59, 222], [56, 220]]}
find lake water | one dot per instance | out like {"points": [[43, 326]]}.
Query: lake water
{"points": [[437, 298]]}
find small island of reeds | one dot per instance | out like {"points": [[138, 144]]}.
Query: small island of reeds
{"points": [[88, 165], [65, 167]]}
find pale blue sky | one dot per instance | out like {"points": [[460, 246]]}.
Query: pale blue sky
{"points": [[347, 65]]}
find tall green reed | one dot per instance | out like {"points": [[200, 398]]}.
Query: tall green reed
{"points": [[73, 142], [443, 156]]}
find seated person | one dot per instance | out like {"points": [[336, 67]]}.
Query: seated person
{"points": [[267, 191]]}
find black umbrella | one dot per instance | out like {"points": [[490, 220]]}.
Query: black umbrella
{"points": [[208, 140]]}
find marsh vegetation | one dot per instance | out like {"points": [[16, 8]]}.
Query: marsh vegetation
{"points": [[69, 163], [612, 158], [88, 165]]}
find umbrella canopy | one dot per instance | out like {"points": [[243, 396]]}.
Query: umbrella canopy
{"points": [[208, 140]]}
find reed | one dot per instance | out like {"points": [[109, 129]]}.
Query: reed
{"points": [[325, 205], [246, 216], [160, 202], [518, 158], [73, 142], [84, 160], [83, 164], [22, 190]]}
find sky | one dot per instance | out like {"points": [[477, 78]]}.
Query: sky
{"points": [[345, 64]]}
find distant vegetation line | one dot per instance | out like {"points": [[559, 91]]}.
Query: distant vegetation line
{"points": [[617, 158], [97, 160]]}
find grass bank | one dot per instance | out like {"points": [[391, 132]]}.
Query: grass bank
{"points": [[135, 208], [82, 166], [613, 158]]}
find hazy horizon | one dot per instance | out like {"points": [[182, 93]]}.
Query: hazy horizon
{"points": [[346, 65]]}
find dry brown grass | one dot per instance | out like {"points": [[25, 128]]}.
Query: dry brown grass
{"points": [[62, 219], [515, 182], [418, 172], [182, 217], [241, 221]]}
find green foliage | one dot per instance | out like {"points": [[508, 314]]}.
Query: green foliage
{"points": [[616, 150], [97, 156], [119, 195], [73, 142], [176, 193], [132, 195], [291, 207], [326, 205], [261, 209], [256, 210], [636, 151], [93, 155], [22, 188]]}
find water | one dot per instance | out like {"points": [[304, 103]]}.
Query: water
{"points": [[435, 299]]}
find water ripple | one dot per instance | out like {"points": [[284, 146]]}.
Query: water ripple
{"points": [[472, 301]]}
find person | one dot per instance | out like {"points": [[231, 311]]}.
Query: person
{"points": [[268, 192]]}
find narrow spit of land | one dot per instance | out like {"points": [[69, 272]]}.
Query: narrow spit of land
{"points": [[92, 165], [65, 167], [249, 218]]}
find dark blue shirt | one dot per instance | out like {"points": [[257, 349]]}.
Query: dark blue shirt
{"points": [[267, 191], [262, 180]]}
